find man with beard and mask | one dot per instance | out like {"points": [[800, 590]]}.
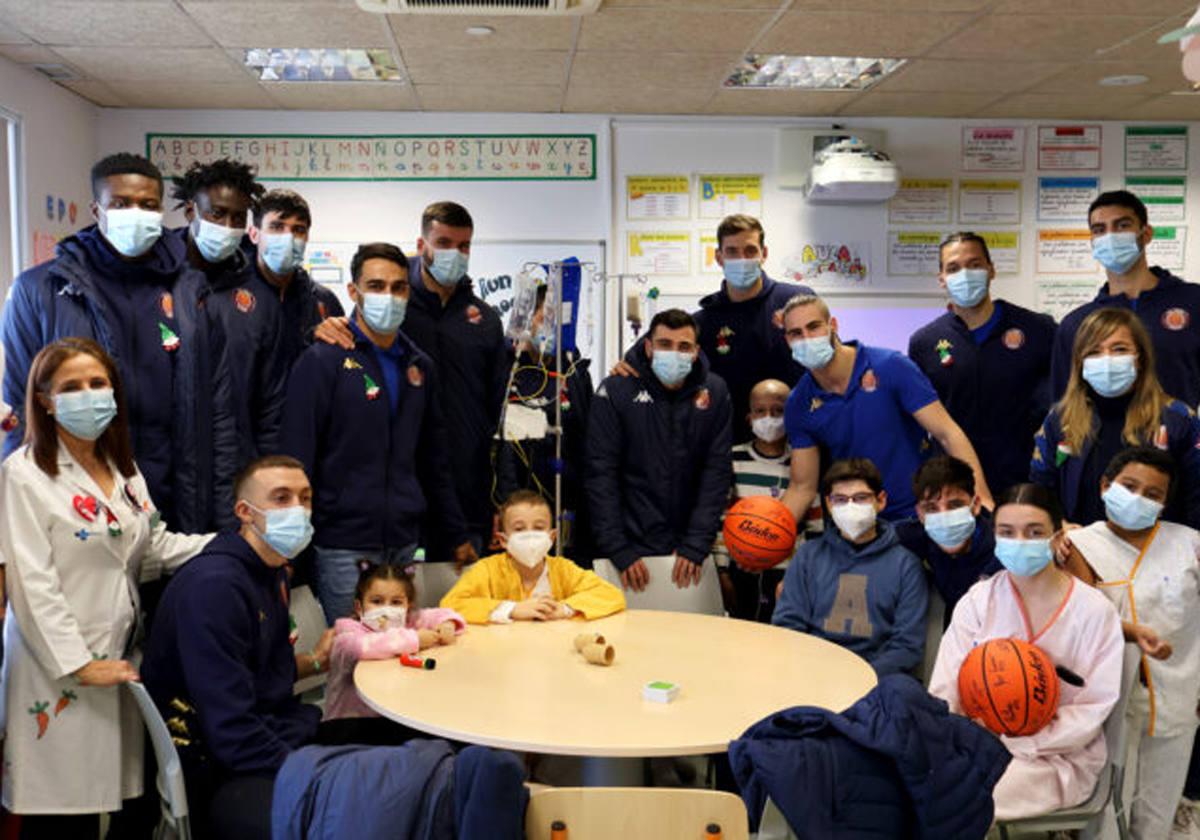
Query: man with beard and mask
{"points": [[217, 199], [119, 283], [1166, 304], [367, 425], [658, 456], [465, 339]]}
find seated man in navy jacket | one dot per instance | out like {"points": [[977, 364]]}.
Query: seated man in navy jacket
{"points": [[219, 664], [366, 424], [659, 456]]}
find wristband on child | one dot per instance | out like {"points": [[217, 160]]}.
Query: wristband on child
{"points": [[316, 663]]}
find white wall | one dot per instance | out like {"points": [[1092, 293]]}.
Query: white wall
{"points": [[59, 149]]}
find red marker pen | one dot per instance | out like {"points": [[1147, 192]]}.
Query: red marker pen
{"points": [[417, 662]]}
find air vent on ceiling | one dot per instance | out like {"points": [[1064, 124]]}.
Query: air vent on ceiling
{"points": [[479, 7], [57, 72]]}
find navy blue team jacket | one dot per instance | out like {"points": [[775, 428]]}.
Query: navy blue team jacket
{"points": [[744, 343], [658, 464], [997, 391], [220, 665], [174, 371], [371, 470], [1170, 311]]}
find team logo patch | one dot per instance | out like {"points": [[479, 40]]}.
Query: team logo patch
{"points": [[1014, 339], [944, 348], [415, 377], [723, 336], [703, 399], [815, 404], [1176, 319], [643, 396], [473, 314], [1161, 440], [244, 300], [869, 382], [10, 422], [170, 341], [371, 388], [777, 319], [167, 304], [321, 310], [350, 364]]}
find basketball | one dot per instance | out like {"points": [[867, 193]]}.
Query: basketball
{"points": [[1009, 686], [760, 532]]}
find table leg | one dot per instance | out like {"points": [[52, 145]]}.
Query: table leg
{"points": [[614, 772]]}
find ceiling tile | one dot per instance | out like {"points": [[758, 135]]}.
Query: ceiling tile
{"points": [[512, 33], [129, 23], [342, 96], [858, 33], [198, 95], [933, 76], [1168, 107], [1063, 106], [269, 25], [1145, 46], [1085, 78], [626, 69], [1040, 37], [8, 35], [97, 93], [486, 67], [29, 54], [882, 104], [694, 4], [890, 5], [799, 103], [640, 100], [485, 98], [1160, 8], [208, 64], [671, 30]]}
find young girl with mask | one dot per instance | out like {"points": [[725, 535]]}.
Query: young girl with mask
{"points": [[1113, 400], [1150, 570], [386, 623], [1034, 600], [526, 582]]}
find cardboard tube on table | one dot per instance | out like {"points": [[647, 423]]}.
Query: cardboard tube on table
{"points": [[599, 653], [585, 639]]}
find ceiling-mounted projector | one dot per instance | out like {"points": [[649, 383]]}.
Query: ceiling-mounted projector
{"points": [[851, 172]]}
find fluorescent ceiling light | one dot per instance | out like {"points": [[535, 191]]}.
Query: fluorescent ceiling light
{"points": [[811, 72], [322, 65]]}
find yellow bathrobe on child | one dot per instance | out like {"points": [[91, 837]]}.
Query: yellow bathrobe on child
{"points": [[494, 580]]}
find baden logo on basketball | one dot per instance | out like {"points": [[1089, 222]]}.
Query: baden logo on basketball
{"points": [[1176, 319], [1010, 686], [760, 532]]}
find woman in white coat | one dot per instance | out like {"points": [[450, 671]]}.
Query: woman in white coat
{"points": [[78, 531]]}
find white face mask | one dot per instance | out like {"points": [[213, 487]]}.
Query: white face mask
{"points": [[853, 519], [768, 429], [529, 547], [385, 618]]}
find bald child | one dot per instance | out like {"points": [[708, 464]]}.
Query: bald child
{"points": [[760, 468]]}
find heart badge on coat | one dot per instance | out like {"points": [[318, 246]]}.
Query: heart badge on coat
{"points": [[86, 507]]}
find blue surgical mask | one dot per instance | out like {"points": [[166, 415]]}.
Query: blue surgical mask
{"points": [[1110, 376], [813, 353], [742, 274], [383, 312], [1129, 510], [951, 528], [132, 230], [283, 252], [671, 367], [967, 287], [85, 414], [1024, 558], [289, 529], [1117, 252], [216, 243], [449, 266]]}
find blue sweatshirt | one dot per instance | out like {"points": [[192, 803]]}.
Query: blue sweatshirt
{"points": [[995, 386], [465, 339], [220, 664], [953, 575], [744, 343], [871, 599], [658, 464], [371, 468], [1171, 313]]}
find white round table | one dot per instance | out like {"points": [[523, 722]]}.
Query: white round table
{"points": [[523, 687]]}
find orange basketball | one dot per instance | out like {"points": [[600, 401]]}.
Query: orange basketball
{"points": [[1009, 686], [760, 532]]}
